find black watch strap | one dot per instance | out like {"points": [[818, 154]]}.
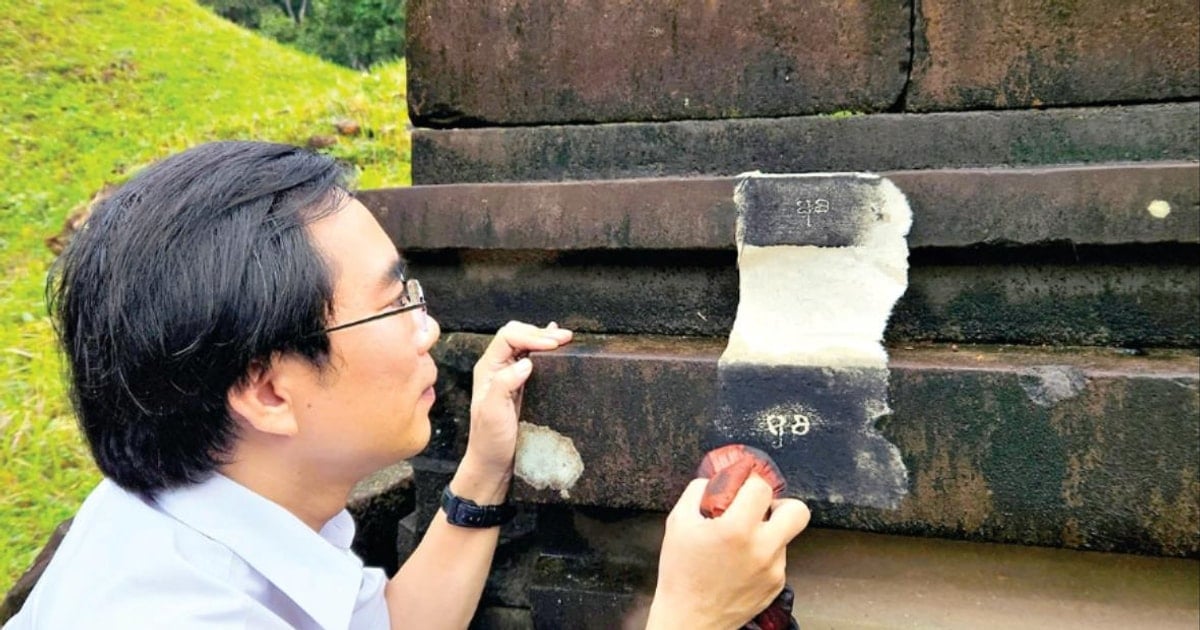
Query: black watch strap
{"points": [[467, 513]]}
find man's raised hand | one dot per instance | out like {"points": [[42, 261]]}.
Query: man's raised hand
{"points": [[499, 379]]}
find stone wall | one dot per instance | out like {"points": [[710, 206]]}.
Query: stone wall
{"points": [[1045, 384]]}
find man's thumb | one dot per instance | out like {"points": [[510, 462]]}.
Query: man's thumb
{"points": [[507, 382]]}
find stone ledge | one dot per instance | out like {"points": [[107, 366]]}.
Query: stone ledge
{"points": [[1085, 205], [869, 581], [1080, 448], [845, 579], [378, 503], [876, 142], [1148, 300]]}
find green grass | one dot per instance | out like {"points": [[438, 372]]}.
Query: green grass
{"points": [[90, 92]]}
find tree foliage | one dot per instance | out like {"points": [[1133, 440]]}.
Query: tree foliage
{"points": [[353, 33], [248, 13]]}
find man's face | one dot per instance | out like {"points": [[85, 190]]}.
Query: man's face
{"points": [[370, 406]]}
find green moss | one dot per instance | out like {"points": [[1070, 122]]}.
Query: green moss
{"points": [[89, 93], [844, 113]]}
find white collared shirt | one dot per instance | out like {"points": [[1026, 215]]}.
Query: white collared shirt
{"points": [[211, 555]]}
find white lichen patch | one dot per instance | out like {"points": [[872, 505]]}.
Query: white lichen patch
{"points": [[1159, 209], [547, 459], [1048, 385]]}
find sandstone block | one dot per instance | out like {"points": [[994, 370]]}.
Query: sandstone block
{"points": [[532, 62], [1031, 53]]}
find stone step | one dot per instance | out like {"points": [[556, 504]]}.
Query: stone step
{"points": [[1080, 448], [1066, 254], [517, 63], [877, 142], [1084, 205], [378, 503], [1145, 298], [869, 581]]}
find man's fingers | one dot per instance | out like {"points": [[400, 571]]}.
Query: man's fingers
{"points": [[752, 501], [789, 517], [503, 393], [506, 383], [517, 338], [689, 501]]}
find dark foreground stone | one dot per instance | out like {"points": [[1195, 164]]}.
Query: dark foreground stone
{"points": [[880, 142], [1148, 297], [502, 618], [378, 503], [589, 593], [858, 580], [1068, 447]]}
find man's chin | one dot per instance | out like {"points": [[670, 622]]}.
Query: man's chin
{"points": [[421, 418]]}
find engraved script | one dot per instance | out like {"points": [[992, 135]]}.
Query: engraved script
{"points": [[780, 425], [809, 207]]}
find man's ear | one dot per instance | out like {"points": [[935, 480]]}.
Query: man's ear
{"points": [[263, 402]]}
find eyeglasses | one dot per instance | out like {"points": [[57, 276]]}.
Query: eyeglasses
{"points": [[412, 299]]}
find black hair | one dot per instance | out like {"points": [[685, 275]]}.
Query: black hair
{"points": [[197, 269]]}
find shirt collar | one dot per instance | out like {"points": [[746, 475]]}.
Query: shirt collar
{"points": [[316, 571]]}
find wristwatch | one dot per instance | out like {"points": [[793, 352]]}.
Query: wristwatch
{"points": [[467, 513]]}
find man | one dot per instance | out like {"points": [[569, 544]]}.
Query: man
{"points": [[245, 345]]}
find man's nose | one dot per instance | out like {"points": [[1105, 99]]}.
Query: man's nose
{"points": [[429, 332]]}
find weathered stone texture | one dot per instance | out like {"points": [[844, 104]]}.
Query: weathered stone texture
{"points": [[1074, 448], [1149, 299], [674, 213], [525, 61], [1068, 256], [875, 143], [502, 618], [589, 593], [856, 580], [377, 504], [867, 581], [1126, 305], [1030, 53], [1106, 204], [1086, 205]]}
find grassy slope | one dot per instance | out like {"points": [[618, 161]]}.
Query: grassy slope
{"points": [[88, 93]]}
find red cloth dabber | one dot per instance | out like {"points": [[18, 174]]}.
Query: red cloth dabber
{"points": [[726, 469]]}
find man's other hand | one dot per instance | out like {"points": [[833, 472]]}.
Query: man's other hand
{"points": [[499, 380], [721, 572]]}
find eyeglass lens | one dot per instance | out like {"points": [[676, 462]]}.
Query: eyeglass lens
{"points": [[416, 295]]}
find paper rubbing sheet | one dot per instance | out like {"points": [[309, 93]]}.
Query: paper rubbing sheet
{"points": [[821, 259]]}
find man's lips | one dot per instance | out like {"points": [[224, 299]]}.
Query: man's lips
{"points": [[428, 392]]}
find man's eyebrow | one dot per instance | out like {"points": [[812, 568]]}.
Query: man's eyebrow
{"points": [[396, 274]]}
